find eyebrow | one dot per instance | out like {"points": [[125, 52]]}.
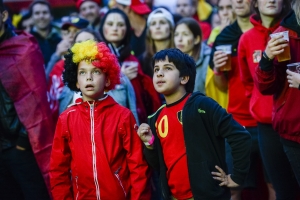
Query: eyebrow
{"points": [[167, 64]]}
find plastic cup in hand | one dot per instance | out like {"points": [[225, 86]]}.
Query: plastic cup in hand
{"points": [[226, 49], [285, 55], [294, 67]]}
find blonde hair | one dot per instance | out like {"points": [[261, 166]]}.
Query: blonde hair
{"points": [[296, 8]]}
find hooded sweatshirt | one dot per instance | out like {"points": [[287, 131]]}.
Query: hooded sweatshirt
{"points": [[250, 54], [271, 79], [238, 103]]}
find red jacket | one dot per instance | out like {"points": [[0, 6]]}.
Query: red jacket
{"points": [[97, 154], [22, 74], [286, 107], [249, 54], [55, 87], [238, 103], [147, 99]]}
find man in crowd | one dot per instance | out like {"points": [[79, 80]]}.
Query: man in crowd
{"points": [[90, 10], [25, 120]]}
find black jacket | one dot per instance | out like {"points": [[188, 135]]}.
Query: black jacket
{"points": [[205, 125], [12, 131]]}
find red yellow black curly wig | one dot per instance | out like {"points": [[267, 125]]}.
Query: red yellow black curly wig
{"points": [[96, 53]]}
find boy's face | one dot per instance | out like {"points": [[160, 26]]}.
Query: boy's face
{"points": [[166, 78], [91, 81]]}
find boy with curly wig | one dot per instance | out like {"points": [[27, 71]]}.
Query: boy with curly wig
{"points": [[96, 152]]}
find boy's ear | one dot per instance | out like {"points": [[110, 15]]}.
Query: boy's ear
{"points": [[184, 80], [107, 83], [77, 85]]}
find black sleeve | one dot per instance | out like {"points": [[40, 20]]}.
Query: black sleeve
{"points": [[266, 64], [10, 123], [237, 137]]}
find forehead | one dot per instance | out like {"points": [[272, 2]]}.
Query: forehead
{"points": [[224, 2], [156, 19], [40, 7], [114, 17], [86, 4], [179, 2], [182, 27], [162, 62], [86, 65]]}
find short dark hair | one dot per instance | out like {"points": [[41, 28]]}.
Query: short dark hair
{"points": [[183, 62], [39, 2]]}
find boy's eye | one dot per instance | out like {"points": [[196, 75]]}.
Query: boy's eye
{"points": [[168, 68], [155, 70], [81, 73], [97, 72]]}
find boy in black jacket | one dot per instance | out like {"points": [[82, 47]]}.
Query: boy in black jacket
{"points": [[185, 139]]}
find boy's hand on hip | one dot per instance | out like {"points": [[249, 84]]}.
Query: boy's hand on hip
{"points": [[223, 178]]}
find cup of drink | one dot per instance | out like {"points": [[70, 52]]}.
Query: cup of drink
{"points": [[226, 49], [294, 67], [285, 55]]}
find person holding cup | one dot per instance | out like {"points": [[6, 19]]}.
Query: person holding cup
{"points": [[116, 32], [267, 19], [238, 103], [272, 79]]}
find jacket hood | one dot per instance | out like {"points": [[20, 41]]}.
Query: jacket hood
{"points": [[290, 22], [257, 23]]}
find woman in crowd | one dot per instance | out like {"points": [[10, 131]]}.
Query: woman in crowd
{"points": [[226, 16], [188, 38], [116, 31], [160, 25], [265, 21], [271, 79]]}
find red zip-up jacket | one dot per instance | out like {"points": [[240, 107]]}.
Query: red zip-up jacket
{"points": [[274, 82], [97, 154], [249, 54]]}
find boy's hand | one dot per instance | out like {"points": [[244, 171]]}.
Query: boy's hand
{"points": [[225, 179], [220, 59], [145, 132]]}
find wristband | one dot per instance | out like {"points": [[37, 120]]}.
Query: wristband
{"points": [[150, 142], [266, 56]]}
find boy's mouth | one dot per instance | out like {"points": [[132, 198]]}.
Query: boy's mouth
{"points": [[160, 82], [89, 87]]}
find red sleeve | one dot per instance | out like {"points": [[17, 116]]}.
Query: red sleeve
{"points": [[245, 73], [60, 162], [139, 172], [265, 81]]}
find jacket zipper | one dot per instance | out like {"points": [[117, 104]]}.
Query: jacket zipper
{"points": [[94, 152], [120, 182], [76, 181]]}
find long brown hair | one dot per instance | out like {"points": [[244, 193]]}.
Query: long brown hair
{"points": [[286, 8], [296, 8], [195, 28]]}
